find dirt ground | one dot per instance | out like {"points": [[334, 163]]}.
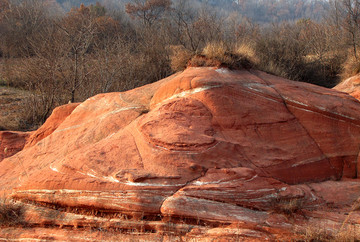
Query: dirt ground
{"points": [[11, 107]]}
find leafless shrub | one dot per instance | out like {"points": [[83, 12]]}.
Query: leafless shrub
{"points": [[284, 51]]}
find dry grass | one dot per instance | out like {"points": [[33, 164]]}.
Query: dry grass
{"points": [[12, 104], [316, 234], [179, 57], [247, 51], [350, 68], [214, 54], [218, 54], [350, 234], [215, 50], [287, 206], [347, 232], [11, 213]]}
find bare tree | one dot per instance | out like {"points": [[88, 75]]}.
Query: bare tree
{"points": [[345, 14], [194, 27], [148, 11], [19, 21]]}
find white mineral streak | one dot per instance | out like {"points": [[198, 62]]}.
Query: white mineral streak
{"points": [[91, 175], [111, 179], [70, 192], [320, 108], [54, 169], [250, 86], [252, 178], [309, 161], [262, 190], [142, 184], [82, 173], [222, 181], [258, 92], [111, 135], [190, 92], [223, 71], [102, 117], [313, 197], [200, 183]]}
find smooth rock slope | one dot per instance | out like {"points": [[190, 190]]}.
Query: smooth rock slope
{"points": [[351, 86], [204, 152]]}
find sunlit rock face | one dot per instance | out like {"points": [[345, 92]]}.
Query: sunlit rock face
{"points": [[205, 146], [351, 86]]}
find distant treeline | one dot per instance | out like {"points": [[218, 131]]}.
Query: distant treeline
{"points": [[259, 11]]}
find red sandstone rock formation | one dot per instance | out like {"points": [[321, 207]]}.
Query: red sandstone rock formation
{"points": [[52, 123], [351, 86], [207, 152]]}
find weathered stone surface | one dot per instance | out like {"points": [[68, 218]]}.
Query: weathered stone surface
{"points": [[52, 123], [12, 142], [351, 86], [194, 153]]}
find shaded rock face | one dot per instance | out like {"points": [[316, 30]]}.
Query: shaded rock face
{"points": [[12, 142], [206, 146]]}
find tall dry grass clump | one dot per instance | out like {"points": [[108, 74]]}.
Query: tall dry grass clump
{"points": [[288, 206], [218, 54], [248, 52], [179, 57], [215, 50], [350, 68], [11, 213]]}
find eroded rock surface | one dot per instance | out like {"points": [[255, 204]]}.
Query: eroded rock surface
{"points": [[351, 86], [207, 151]]}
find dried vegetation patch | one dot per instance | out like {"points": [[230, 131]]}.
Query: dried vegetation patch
{"points": [[13, 103], [214, 54], [11, 213]]}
